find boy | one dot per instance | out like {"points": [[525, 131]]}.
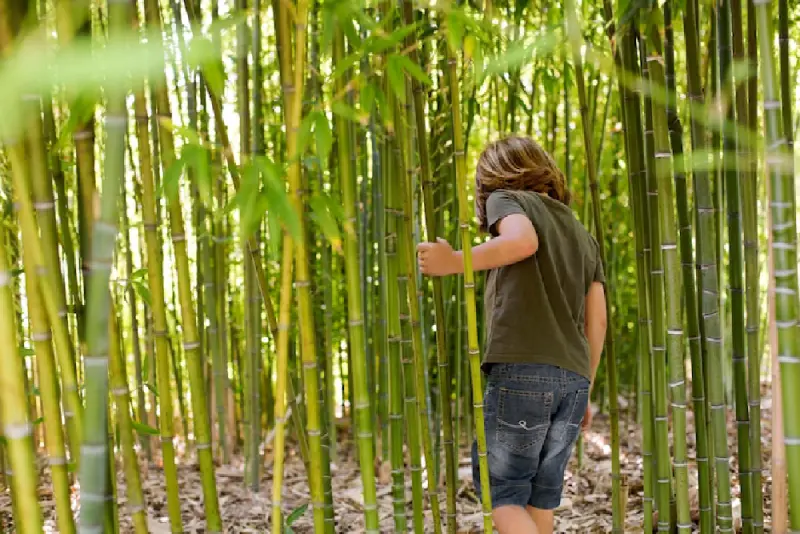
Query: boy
{"points": [[545, 326]]}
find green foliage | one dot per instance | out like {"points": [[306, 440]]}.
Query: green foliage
{"points": [[324, 213], [142, 428], [293, 517]]}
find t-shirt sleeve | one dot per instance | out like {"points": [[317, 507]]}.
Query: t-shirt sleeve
{"points": [[599, 274], [499, 205]]}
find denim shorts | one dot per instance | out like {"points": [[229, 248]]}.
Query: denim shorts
{"points": [[532, 417]]}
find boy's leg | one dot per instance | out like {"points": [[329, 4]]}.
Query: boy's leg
{"points": [[547, 484], [517, 411], [544, 519], [514, 520]]}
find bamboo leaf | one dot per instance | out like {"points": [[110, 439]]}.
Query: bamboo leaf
{"points": [[304, 136], [248, 200], [203, 55], [172, 177], [455, 30], [322, 215], [144, 429], [414, 70], [143, 291], [368, 97], [323, 135], [278, 199], [81, 110], [397, 80], [197, 157], [346, 111], [296, 514], [151, 389]]}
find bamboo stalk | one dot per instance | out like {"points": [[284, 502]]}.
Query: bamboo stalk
{"points": [[122, 401], [574, 35], [784, 241], [355, 313], [49, 391], [155, 276]]}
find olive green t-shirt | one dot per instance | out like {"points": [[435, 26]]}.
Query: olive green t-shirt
{"points": [[535, 308]]}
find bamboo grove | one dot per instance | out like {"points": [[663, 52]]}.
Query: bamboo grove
{"points": [[210, 210]]}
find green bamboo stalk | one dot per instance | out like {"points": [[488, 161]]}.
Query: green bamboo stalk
{"points": [[17, 428], [293, 93], [155, 277], [574, 34], [191, 338], [48, 387], [752, 274], [282, 375], [708, 291], [688, 263], [661, 432], [121, 396], [698, 140], [784, 244], [141, 409], [394, 337], [637, 182], [400, 205], [64, 349], [441, 342], [363, 412], [94, 473], [464, 219], [747, 232]]}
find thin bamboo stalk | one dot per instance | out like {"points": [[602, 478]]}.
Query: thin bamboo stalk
{"points": [[464, 218], [784, 243], [122, 401], [95, 470], [441, 343], [49, 392], [17, 428], [293, 76], [355, 313], [574, 33], [699, 142]]}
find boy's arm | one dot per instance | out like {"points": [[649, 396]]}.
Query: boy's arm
{"points": [[516, 241], [596, 322]]}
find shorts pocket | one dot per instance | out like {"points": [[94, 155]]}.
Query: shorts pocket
{"points": [[523, 418], [580, 399]]}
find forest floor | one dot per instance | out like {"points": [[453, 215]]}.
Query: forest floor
{"points": [[585, 506]]}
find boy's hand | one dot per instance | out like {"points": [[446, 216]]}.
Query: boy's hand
{"points": [[587, 418], [437, 259]]}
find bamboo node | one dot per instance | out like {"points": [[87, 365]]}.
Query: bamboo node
{"points": [[191, 346], [202, 446], [41, 336], [119, 392], [178, 238], [788, 359], [95, 361], [18, 430], [44, 206]]}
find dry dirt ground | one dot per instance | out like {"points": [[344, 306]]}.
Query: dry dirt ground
{"points": [[585, 508]]}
